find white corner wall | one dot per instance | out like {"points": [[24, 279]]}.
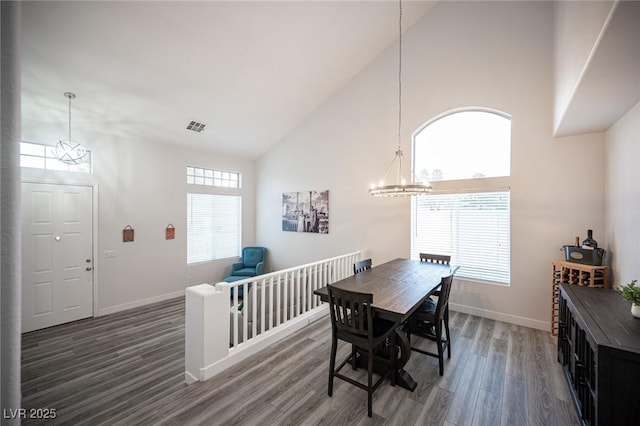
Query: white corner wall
{"points": [[623, 197], [493, 54], [143, 184], [578, 26]]}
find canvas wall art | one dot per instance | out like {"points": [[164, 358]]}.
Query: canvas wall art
{"points": [[306, 211]]}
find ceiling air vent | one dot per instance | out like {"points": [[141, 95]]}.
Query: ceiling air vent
{"points": [[196, 127]]}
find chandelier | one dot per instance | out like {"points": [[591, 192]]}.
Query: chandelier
{"points": [[400, 188], [67, 151]]}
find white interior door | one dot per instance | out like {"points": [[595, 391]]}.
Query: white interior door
{"points": [[57, 259]]}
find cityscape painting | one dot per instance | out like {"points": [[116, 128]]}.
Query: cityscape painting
{"points": [[306, 211]]}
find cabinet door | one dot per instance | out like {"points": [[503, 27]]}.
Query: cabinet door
{"points": [[582, 348], [572, 341], [563, 331]]}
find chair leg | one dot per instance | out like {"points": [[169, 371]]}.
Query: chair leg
{"points": [[446, 327], [354, 357], [370, 383], [332, 363], [440, 348]]}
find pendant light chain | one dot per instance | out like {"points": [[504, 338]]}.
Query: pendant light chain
{"points": [[399, 177], [70, 97], [401, 188]]}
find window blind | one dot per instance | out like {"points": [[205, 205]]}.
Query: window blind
{"points": [[474, 228], [214, 224]]}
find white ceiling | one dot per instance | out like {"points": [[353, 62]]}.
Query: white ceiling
{"points": [[251, 71]]}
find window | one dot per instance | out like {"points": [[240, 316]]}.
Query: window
{"points": [[208, 177], [472, 228], [214, 224], [466, 156], [38, 156]]}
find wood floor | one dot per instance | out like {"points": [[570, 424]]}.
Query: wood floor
{"points": [[128, 368]]}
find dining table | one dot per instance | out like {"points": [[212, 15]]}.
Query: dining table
{"points": [[398, 287]]}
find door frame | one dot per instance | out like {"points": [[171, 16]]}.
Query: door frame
{"points": [[94, 228]]}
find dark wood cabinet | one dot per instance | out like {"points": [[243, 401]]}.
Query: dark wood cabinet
{"points": [[599, 350]]}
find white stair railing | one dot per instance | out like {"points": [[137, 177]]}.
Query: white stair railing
{"points": [[227, 322]]}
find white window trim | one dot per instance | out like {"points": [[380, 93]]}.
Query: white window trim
{"points": [[455, 111], [214, 178], [462, 186], [87, 164]]}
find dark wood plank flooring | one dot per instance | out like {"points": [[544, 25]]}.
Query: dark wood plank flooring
{"points": [[128, 368]]}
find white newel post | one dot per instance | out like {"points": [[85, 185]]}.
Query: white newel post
{"points": [[206, 328]]}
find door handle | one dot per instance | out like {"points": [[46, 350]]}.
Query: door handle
{"points": [[89, 268]]}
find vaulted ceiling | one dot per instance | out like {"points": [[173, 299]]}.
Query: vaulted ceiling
{"points": [[250, 71]]}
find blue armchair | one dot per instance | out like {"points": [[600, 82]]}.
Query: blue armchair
{"points": [[251, 264]]}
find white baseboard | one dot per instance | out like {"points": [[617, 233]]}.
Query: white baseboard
{"points": [[138, 303], [189, 378], [260, 342], [512, 319]]}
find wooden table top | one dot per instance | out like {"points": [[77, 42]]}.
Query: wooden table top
{"points": [[398, 286]]}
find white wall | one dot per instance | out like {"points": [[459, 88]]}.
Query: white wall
{"points": [[577, 27], [623, 197], [143, 184], [493, 54]]}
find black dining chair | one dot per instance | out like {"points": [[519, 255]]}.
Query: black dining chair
{"points": [[429, 317], [442, 259], [435, 258], [352, 321], [361, 265]]}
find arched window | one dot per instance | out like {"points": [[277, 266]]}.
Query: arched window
{"points": [[465, 154]]}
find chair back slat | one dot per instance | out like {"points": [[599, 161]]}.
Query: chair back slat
{"points": [[443, 298], [350, 311], [435, 258], [362, 265]]}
